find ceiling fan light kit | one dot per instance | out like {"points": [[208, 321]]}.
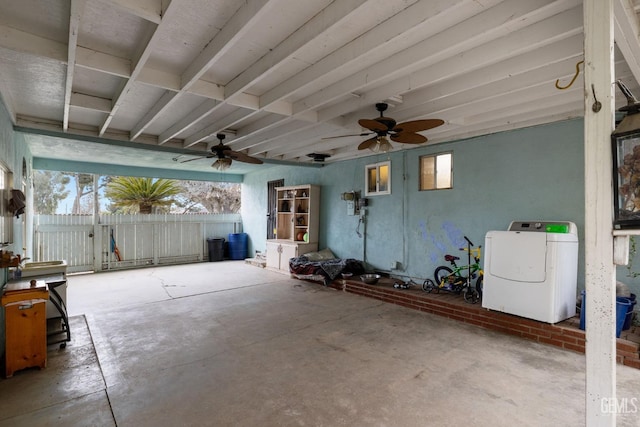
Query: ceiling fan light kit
{"points": [[222, 164], [382, 145]]}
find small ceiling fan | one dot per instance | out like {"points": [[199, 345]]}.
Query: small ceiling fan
{"points": [[405, 133], [225, 156]]}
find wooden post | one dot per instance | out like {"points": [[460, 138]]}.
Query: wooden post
{"points": [[599, 268]]}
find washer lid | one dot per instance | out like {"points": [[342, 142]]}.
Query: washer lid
{"points": [[518, 256], [551, 227]]}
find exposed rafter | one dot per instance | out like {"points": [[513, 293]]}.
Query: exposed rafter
{"points": [[77, 6], [627, 31], [249, 14], [282, 75]]}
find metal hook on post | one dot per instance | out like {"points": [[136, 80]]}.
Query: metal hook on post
{"points": [[575, 76], [596, 105]]}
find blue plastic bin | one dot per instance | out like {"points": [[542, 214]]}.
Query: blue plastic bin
{"points": [[237, 246], [629, 318], [623, 305]]}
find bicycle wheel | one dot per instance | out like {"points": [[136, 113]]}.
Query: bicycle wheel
{"points": [[429, 286], [470, 295], [440, 274], [479, 285]]}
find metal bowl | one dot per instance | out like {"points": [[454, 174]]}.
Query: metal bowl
{"points": [[370, 279]]}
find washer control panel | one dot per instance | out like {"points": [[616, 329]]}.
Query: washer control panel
{"points": [[541, 226]]}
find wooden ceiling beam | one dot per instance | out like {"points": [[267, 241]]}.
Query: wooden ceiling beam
{"points": [[626, 33], [332, 16], [21, 41], [401, 73], [151, 10], [77, 8], [145, 48], [396, 33], [248, 15]]}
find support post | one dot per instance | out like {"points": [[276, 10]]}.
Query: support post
{"points": [[96, 239], [599, 268]]}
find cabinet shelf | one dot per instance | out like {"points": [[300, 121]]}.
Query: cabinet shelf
{"points": [[298, 212]]}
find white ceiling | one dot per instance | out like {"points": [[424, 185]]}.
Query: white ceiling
{"points": [[278, 76]]}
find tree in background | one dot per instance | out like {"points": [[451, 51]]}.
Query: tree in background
{"points": [[49, 189], [52, 188], [84, 187], [141, 195], [218, 197]]}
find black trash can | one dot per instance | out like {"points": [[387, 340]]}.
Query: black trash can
{"points": [[216, 249]]}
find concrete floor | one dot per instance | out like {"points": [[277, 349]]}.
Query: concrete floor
{"points": [[228, 344]]}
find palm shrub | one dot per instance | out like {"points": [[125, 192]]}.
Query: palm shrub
{"points": [[142, 194]]}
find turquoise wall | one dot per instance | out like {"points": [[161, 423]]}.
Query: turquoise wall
{"points": [[12, 152], [528, 174]]}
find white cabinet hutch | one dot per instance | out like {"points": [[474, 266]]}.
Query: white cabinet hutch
{"points": [[296, 225]]}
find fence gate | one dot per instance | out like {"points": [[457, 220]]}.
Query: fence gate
{"points": [[128, 241], [68, 237]]}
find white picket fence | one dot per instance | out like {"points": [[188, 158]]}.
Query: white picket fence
{"points": [[85, 242]]}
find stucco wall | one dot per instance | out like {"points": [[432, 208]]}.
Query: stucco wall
{"points": [[12, 151], [528, 174]]}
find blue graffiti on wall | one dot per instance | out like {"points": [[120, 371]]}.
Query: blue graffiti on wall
{"points": [[423, 230], [455, 235], [434, 256]]}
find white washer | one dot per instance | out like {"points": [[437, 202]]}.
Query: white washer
{"points": [[531, 270]]}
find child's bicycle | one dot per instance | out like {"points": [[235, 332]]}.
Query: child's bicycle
{"points": [[452, 279]]}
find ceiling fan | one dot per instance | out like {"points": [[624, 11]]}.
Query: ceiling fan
{"points": [[383, 127], [225, 156]]}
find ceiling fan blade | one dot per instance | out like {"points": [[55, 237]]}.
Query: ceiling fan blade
{"points": [[196, 158], [345, 136], [368, 143], [373, 125], [418, 125], [241, 157], [409, 138]]}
